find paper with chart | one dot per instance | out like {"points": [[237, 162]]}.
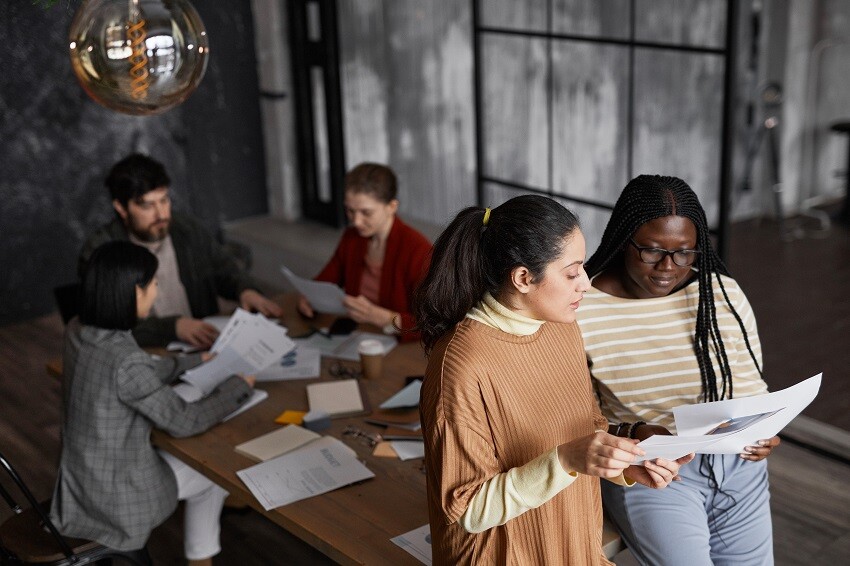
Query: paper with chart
{"points": [[249, 344], [726, 427], [318, 467], [323, 296], [302, 362]]}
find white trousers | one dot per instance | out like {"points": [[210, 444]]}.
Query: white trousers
{"points": [[204, 501]]}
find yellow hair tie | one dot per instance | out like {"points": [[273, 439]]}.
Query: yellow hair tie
{"points": [[486, 216]]}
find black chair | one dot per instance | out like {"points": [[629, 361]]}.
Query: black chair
{"points": [[68, 300], [30, 537]]}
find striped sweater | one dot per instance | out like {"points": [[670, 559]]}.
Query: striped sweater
{"points": [[641, 351], [492, 402]]}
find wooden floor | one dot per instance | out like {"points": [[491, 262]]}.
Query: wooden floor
{"points": [[799, 293]]}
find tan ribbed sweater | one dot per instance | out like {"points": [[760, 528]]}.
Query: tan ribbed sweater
{"points": [[492, 401]]}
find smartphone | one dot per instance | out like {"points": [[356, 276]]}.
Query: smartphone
{"points": [[411, 378], [342, 326]]}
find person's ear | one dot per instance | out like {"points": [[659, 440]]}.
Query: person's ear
{"points": [[393, 204], [521, 279], [119, 208]]}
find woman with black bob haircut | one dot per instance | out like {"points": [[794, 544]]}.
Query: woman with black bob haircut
{"points": [[114, 487], [666, 325], [514, 442]]}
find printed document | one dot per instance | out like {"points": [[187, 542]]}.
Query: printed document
{"points": [[323, 296], [318, 467], [248, 344], [418, 543], [726, 427], [344, 347], [301, 363]]}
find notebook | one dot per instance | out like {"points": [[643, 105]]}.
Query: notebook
{"points": [[336, 398], [275, 443]]}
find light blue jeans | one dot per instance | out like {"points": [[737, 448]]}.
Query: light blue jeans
{"points": [[688, 523]]}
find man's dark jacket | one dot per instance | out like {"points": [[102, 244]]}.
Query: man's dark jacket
{"points": [[206, 270]]}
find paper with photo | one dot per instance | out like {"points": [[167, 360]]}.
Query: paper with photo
{"points": [[418, 543], [323, 296], [700, 426], [318, 467]]}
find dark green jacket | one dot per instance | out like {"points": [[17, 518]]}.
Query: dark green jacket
{"points": [[206, 270]]}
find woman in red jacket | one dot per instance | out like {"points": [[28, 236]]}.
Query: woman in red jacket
{"points": [[379, 260]]}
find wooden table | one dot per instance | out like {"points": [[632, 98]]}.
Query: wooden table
{"points": [[354, 524]]}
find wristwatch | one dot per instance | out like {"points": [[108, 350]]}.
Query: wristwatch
{"points": [[391, 328]]}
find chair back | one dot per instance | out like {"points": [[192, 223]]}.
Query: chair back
{"points": [[34, 505], [68, 300]]}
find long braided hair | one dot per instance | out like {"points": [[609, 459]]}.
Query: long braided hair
{"points": [[646, 198]]}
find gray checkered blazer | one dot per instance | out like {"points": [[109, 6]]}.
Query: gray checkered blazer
{"points": [[112, 486]]}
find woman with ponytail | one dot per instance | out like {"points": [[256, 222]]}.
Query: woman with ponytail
{"points": [[665, 325], [514, 442]]}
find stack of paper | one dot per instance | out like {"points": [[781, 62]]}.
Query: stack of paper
{"points": [[318, 467], [277, 442], [248, 344]]}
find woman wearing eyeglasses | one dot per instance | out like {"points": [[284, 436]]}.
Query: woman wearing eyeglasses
{"points": [[664, 324]]}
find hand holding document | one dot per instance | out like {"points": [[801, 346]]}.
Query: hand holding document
{"points": [[317, 467], [248, 344], [323, 296], [726, 427]]}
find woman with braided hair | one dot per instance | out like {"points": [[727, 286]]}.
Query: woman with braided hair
{"points": [[664, 324], [514, 440]]}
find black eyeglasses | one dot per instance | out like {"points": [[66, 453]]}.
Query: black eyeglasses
{"points": [[342, 371], [682, 258]]}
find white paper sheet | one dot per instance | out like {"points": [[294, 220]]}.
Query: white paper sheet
{"points": [[323, 296], [190, 394], [409, 449], [418, 543], [407, 397], [301, 363], [320, 466], [344, 347], [248, 344], [697, 425]]}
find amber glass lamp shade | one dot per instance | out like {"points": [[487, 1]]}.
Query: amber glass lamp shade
{"points": [[138, 56]]}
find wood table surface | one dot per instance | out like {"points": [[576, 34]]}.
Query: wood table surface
{"points": [[353, 524]]}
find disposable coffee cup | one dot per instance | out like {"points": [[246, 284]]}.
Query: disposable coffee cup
{"points": [[371, 358]]}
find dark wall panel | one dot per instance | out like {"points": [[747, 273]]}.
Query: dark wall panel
{"points": [[58, 145]]}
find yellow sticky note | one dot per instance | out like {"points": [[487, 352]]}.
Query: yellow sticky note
{"points": [[291, 417]]}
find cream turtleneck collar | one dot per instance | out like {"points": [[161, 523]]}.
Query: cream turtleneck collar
{"points": [[491, 312]]}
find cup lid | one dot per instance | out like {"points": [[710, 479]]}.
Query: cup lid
{"points": [[370, 347]]}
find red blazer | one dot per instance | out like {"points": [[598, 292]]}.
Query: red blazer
{"points": [[406, 261]]}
